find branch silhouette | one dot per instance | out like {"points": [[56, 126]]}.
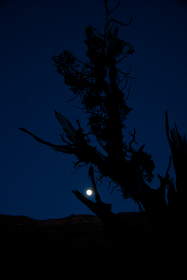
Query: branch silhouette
{"points": [[98, 85]]}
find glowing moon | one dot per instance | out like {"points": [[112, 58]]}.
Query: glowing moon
{"points": [[89, 192]]}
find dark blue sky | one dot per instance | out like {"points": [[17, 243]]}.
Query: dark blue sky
{"points": [[34, 180]]}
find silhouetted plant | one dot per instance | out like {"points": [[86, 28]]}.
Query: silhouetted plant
{"points": [[102, 87]]}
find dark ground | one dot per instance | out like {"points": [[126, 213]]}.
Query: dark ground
{"points": [[79, 231], [127, 230]]}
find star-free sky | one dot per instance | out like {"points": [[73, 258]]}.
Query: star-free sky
{"points": [[36, 181]]}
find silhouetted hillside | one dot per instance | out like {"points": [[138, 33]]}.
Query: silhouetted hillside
{"points": [[77, 231]]}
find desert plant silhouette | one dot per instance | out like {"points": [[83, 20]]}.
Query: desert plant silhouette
{"points": [[102, 85]]}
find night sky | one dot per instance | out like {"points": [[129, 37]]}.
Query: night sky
{"points": [[36, 181]]}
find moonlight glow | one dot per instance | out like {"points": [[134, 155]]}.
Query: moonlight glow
{"points": [[89, 192]]}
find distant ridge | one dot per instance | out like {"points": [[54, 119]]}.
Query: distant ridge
{"points": [[75, 231]]}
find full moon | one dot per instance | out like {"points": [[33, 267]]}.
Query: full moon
{"points": [[89, 192]]}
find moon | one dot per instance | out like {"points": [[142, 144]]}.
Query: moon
{"points": [[89, 192]]}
